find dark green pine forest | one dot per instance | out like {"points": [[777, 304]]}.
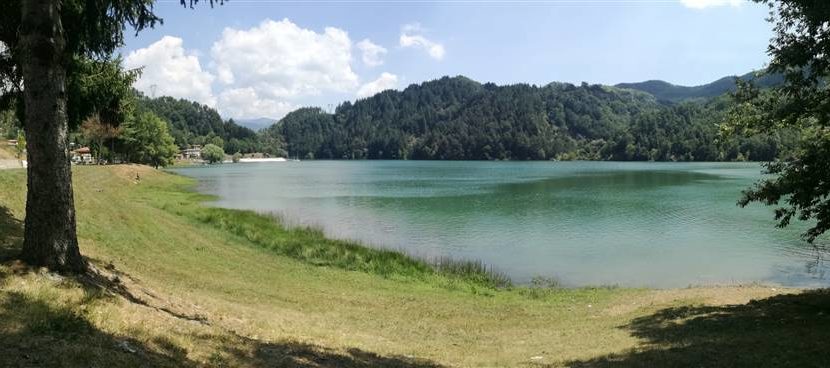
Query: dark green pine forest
{"points": [[461, 119]]}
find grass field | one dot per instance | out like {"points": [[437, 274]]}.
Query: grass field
{"points": [[180, 284]]}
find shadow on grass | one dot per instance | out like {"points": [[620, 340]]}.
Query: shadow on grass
{"points": [[35, 333], [780, 331], [100, 284], [242, 351], [11, 235]]}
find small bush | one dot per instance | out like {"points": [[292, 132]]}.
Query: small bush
{"points": [[212, 153]]}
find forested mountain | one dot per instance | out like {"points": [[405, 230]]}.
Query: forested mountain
{"points": [[194, 123], [460, 119], [665, 91], [457, 118]]}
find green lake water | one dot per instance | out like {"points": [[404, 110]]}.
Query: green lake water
{"points": [[583, 223]]}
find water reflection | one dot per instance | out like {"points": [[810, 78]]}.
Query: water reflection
{"points": [[633, 224]]}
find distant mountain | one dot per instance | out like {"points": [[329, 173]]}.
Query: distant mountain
{"points": [[665, 91], [256, 124]]}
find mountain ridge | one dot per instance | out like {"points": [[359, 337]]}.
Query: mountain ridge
{"points": [[665, 91], [256, 124]]}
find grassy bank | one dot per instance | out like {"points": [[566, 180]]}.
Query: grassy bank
{"points": [[182, 284], [310, 246]]}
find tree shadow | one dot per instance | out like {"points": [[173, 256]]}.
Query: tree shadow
{"points": [[11, 235], [108, 282], [242, 351], [780, 331], [36, 333]]}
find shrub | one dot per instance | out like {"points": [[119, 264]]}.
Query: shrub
{"points": [[212, 153]]}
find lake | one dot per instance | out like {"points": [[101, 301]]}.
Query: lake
{"points": [[583, 223]]}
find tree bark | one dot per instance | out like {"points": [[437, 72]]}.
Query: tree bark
{"points": [[50, 238]]}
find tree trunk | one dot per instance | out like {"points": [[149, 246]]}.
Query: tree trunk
{"points": [[49, 238]]}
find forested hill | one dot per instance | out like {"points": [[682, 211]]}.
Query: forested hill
{"points": [[665, 91], [193, 123], [457, 118]]}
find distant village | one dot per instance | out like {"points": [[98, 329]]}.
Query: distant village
{"points": [[82, 155]]}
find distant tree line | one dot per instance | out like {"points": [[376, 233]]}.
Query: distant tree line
{"points": [[192, 123], [445, 119], [460, 119]]}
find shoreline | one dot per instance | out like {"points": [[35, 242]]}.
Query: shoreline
{"points": [[219, 290], [488, 268], [781, 280]]}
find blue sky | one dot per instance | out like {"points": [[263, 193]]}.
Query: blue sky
{"points": [[253, 58]]}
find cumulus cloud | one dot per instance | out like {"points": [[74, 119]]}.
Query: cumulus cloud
{"points": [[372, 53], [171, 71], [411, 36], [278, 62], [384, 82], [247, 103], [702, 4], [285, 59], [267, 70]]}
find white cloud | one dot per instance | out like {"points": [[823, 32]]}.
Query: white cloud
{"points": [[246, 103], [267, 70], [702, 4], [171, 71], [285, 60], [372, 53], [278, 63], [411, 37], [384, 82]]}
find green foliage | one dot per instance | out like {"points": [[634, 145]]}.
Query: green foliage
{"points": [[273, 143], [9, 125], [798, 182], [212, 153], [236, 157], [216, 141], [94, 30], [101, 88], [21, 143], [148, 141], [459, 119], [311, 246], [192, 123]]}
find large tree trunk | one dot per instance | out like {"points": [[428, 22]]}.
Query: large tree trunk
{"points": [[49, 238]]}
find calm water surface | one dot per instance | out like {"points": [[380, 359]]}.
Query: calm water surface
{"points": [[584, 223]]}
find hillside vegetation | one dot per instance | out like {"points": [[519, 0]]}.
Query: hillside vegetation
{"points": [[192, 123], [460, 119], [179, 284]]}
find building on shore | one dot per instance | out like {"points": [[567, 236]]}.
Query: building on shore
{"points": [[82, 156], [193, 152]]}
